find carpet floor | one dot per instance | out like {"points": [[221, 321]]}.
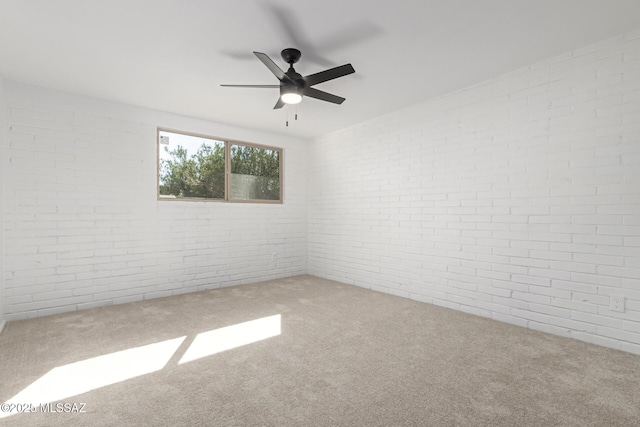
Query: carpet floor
{"points": [[305, 351]]}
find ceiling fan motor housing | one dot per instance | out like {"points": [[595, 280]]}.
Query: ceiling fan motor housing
{"points": [[295, 77]]}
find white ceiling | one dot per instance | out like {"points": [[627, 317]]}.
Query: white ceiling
{"points": [[172, 55]]}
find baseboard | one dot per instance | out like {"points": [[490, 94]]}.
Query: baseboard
{"points": [[4, 322]]}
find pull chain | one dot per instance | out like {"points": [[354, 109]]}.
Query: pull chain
{"points": [[287, 116]]}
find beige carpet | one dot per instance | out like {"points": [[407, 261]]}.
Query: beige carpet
{"points": [[345, 356]]}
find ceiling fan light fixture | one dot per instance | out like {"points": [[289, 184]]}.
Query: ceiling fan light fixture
{"points": [[292, 97], [290, 93]]}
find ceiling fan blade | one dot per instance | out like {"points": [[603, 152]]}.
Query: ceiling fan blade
{"points": [[279, 104], [294, 33], [333, 73], [287, 21], [258, 86], [277, 71], [324, 96]]}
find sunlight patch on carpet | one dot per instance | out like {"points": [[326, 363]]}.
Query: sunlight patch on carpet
{"points": [[81, 377], [223, 339], [86, 375]]}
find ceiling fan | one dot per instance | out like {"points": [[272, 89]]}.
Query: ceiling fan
{"points": [[294, 86]]}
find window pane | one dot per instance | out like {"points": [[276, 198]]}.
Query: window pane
{"points": [[190, 166], [255, 173]]}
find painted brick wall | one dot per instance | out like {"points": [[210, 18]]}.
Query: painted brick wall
{"points": [[83, 227], [517, 199], [2, 136]]}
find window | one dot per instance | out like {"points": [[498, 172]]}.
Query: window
{"points": [[196, 167]]}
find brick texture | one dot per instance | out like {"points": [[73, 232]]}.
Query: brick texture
{"points": [[2, 136], [82, 224], [516, 199]]}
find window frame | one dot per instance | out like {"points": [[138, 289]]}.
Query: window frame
{"points": [[227, 169]]}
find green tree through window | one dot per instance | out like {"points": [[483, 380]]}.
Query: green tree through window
{"points": [[200, 175], [255, 173], [198, 172]]}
